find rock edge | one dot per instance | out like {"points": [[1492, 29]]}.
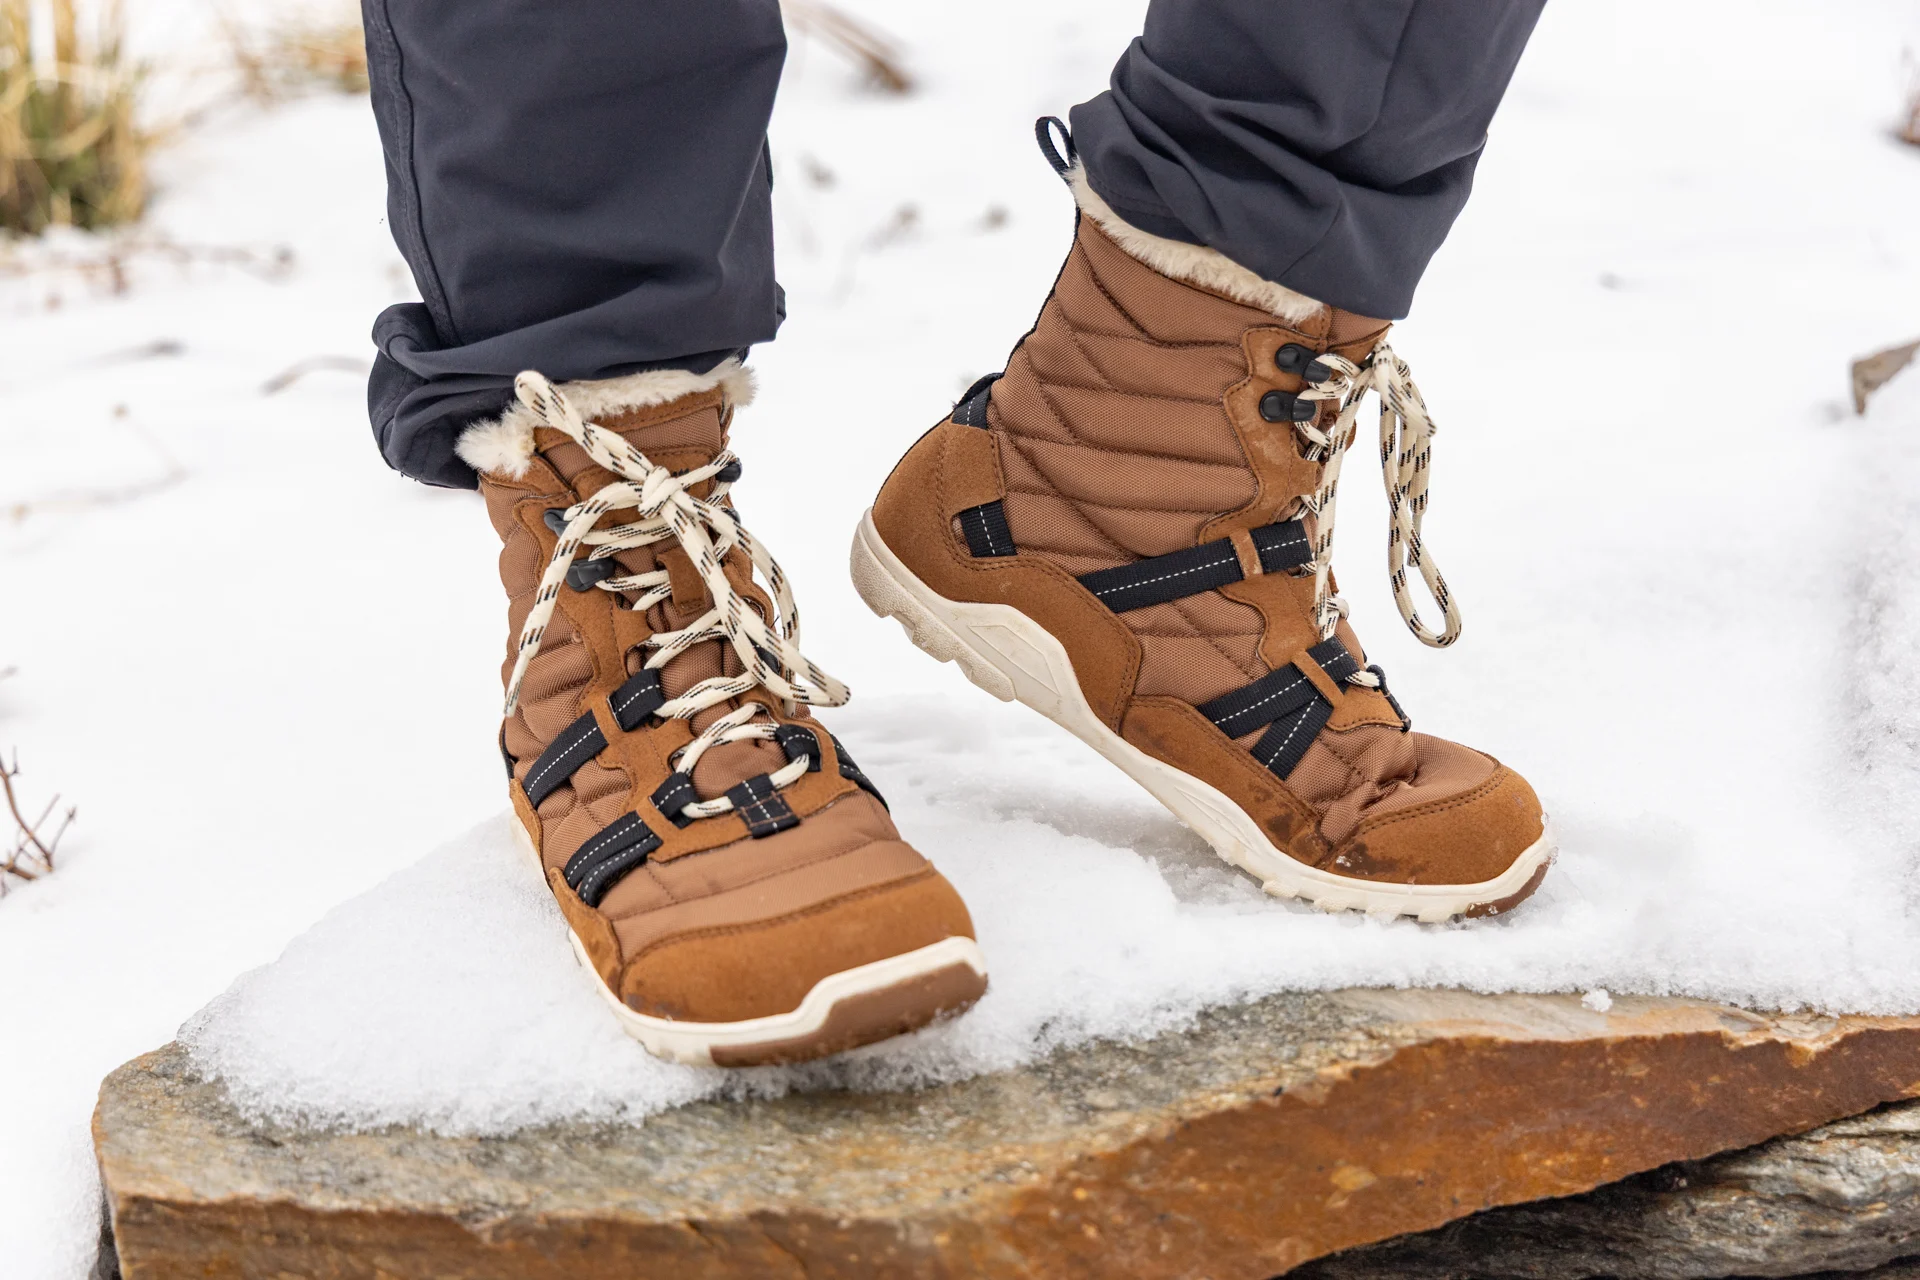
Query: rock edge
{"points": [[1266, 1136]]}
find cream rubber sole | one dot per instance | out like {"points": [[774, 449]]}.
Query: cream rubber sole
{"points": [[1013, 657], [885, 998]]}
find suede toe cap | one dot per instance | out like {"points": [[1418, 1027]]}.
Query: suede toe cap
{"points": [[1468, 838], [756, 970]]}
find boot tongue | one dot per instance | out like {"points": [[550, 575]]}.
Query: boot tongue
{"points": [[680, 435]]}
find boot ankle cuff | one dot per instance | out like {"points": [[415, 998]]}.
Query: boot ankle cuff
{"points": [[1193, 263], [504, 445]]}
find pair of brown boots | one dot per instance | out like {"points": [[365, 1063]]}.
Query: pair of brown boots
{"points": [[1128, 531]]}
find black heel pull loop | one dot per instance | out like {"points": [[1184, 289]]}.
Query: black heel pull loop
{"points": [[1043, 131]]}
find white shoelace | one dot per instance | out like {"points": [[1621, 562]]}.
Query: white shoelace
{"points": [[1406, 450], [707, 530]]}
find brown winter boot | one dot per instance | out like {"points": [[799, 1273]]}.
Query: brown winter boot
{"points": [[730, 876], [1129, 532]]}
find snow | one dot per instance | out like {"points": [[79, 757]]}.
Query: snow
{"points": [[271, 682]]}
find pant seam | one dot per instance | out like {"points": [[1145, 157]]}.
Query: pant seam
{"points": [[392, 74]]}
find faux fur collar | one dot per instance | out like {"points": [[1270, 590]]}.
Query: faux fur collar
{"points": [[1194, 263], [504, 445]]}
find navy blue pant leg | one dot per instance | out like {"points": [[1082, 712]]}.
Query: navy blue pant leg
{"points": [[1325, 144], [580, 187]]}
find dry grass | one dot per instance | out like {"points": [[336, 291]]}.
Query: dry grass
{"points": [[29, 855], [866, 47], [299, 56], [71, 150], [331, 53], [1909, 129], [1870, 373], [108, 265]]}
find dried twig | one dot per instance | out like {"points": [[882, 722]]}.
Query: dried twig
{"points": [[1910, 131], [313, 364], [30, 855], [292, 57], [171, 474], [1870, 373], [110, 266], [869, 49]]}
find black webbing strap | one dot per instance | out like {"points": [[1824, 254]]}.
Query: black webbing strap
{"points": [[851, 772], [1159, 579], [1275, 694], [984, 526], [1406, 721], [616, 849], [1282, 546], [637, 699], [1334, 659], [796, 741], [1060, 158], [971, 408], [1287, 739], [986, 531], [1286, 702], [578, 743], [765, 810], [1188, 572], [675, 794]]}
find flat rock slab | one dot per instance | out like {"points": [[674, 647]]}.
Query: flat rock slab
{"points": [[1265, 1136], [1840, 1199]]}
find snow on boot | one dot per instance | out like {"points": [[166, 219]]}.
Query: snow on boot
{"points": [[729, 875], [1129, 531]]}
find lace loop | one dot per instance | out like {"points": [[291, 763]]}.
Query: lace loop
{"points": [[708, 531], [1406, 453]]}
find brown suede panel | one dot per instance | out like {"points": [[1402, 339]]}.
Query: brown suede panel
{"points": [[690, 593], [913, 515], [733, 972], [709, 880], [529, 820], [588, 925], [1172, 731], [1458, 839]]}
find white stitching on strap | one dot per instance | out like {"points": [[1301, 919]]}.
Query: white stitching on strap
{"points": [[1252, 707], [1214, 563], [1300, 718], [708, 530], [561, 755]]}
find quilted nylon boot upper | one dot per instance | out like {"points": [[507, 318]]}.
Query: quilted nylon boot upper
{"points": [[1139, 457], [727, 917]]}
